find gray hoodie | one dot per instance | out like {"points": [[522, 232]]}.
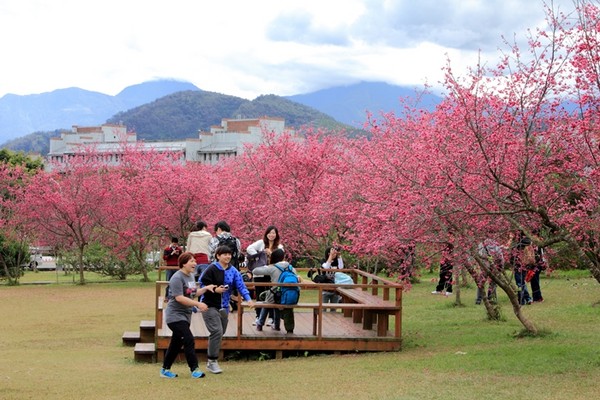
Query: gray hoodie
{"points": [[274, 272]]}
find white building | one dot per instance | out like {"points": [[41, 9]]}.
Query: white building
{"points": [[229, 138], [225, 140]]}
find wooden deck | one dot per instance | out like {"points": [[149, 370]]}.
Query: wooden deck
{"points": [[369, 319]]}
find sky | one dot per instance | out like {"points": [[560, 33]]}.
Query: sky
{"points": [[247, 48]]}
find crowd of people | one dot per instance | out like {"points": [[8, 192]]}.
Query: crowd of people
{"points": [[209, 277], [526, 260], [209, 270]]}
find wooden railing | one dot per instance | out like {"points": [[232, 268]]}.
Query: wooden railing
{"points": [[368, 302]]}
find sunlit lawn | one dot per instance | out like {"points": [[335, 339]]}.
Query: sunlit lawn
{"points": [[63, 341]]}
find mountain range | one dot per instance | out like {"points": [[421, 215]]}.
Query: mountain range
{"points": [[172, 110]]}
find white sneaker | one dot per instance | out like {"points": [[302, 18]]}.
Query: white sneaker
{"points": [[213, 366], [448, 293], [435, 292], [270, 323]]}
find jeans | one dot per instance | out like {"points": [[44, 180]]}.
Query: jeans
{"points": [[216, 323], [491, 293], [258, 290], [169, 274], [263, 317], [524, 296], [331, 297], [182, 336]]}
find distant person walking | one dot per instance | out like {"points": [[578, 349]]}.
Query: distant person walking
{"points": [[171, 255], [444, 285], [522, 256]]}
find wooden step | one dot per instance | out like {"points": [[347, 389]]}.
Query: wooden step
{"points": [[147, 331], [130, 338], [144, 352]]}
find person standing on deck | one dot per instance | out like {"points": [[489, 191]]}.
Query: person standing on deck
{"points": [[198, 243], [259, 255], [274, 270], [178, 316], [225, 278]]}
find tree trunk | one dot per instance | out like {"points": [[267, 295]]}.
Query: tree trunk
{"points": [[11, 280], [80, 262], [456, 286], [590, 256], [145, 273], [503, 282], [491, 308]]}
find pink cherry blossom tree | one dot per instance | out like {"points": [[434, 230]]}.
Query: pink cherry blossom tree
{"points": [[64, 205], [502, 152], [13, 238], [288, 182]]}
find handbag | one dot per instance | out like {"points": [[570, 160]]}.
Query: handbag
{"points": [[257, 260]]}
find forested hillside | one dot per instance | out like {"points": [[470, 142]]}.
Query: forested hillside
{"points": [[181, 115]]}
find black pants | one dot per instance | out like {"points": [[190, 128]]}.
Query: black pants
{"points": [[536, 291], [445, 283], [288, 319], [182, 336]]}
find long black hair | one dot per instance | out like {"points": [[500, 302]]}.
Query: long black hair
{"points": [[266, 240], [334, 263]]}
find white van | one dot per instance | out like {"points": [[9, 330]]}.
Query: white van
{"points": [[35, 260]]}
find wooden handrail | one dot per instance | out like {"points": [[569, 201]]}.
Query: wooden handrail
{"points": [[319, 307]]}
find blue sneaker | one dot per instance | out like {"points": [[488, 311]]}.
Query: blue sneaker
{"points": [[198, 374], [166, 373]]}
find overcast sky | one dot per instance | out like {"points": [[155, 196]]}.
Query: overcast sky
{"points": [[249, 47]]}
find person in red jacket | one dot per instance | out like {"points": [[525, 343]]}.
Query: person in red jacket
{"points": [[171, 255]]}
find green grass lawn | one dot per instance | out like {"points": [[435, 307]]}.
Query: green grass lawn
{"points": [[63, 341]]}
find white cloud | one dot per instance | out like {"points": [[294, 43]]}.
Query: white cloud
{"points": [[246, 48]]}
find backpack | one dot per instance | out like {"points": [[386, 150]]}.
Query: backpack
{"points": [[319, 276], [289, 294], [231, 242], [528, 257]]}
